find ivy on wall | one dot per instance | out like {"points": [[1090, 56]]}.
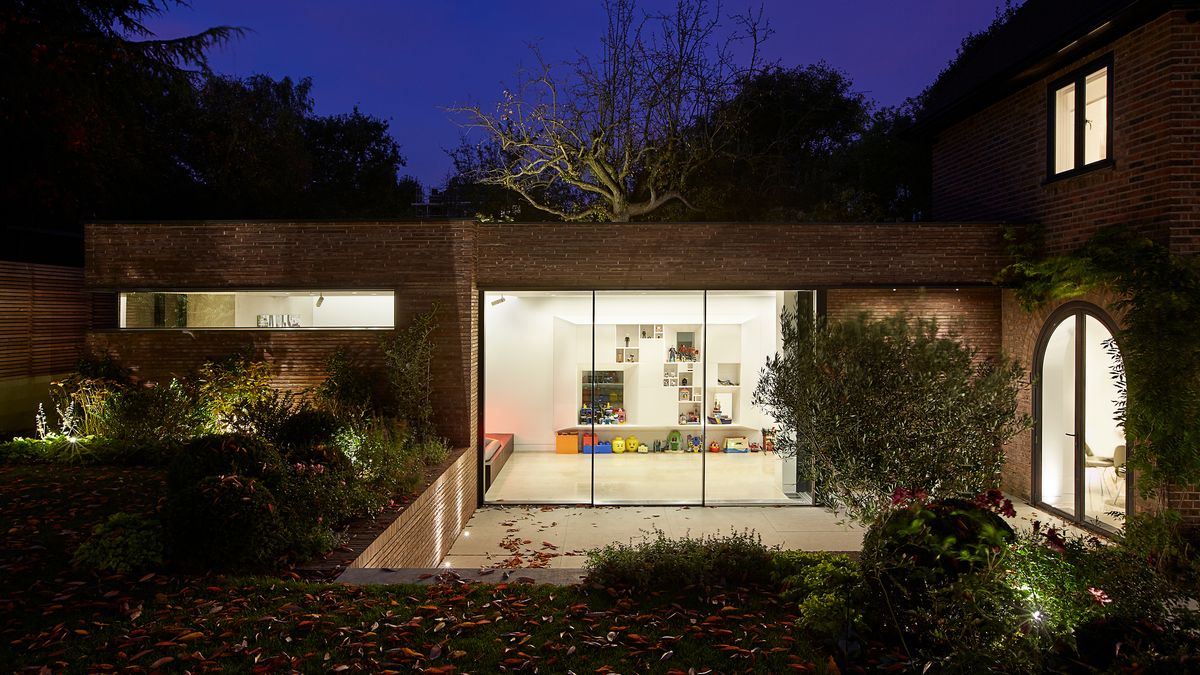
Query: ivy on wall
{"points": [[1159, 339]]}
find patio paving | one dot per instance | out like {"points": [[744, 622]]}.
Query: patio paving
{"points": [[559, 536]]}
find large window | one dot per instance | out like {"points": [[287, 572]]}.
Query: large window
{"points": [[626, 397], [258, 309], [1080, 119]]}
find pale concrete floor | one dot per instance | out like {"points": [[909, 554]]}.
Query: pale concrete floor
{"points": [[547, 477], [559, 536]]}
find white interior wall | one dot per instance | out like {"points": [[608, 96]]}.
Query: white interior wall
{"points": [[1100, 405], [249, 305], [537, 345], [1058, 416], [354, 310]]}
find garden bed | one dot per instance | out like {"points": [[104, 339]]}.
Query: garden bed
{"points": [[381, 541]]}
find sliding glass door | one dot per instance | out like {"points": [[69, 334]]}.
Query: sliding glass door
{"points": [[649, 366], [632, 397]]}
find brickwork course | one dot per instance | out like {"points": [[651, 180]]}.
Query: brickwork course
{"points": [[992, 165]]}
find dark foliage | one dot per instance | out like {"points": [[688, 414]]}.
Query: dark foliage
{"points": [[225, 454]]}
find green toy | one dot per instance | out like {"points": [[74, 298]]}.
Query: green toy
{"points": [[675, 441]]}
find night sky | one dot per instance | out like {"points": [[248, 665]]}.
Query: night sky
{"points": [[404, 60]]}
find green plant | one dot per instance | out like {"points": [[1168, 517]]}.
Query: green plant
{"points": [[1159, 339], [739, 557], [290, 421], [409, 356], [1161, 539], [229, 387], [827, 587], [225, 522], [382, 462], [225, 454], [349, 390], [152, 415], [125, 543], [433, 451], [871, 406]]}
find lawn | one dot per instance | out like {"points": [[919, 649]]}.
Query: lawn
{"points": [[64, 619]]}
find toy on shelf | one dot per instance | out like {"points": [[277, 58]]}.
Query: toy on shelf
{"points": [[631, 444], [714, 447], [618, 445], [769, 439], [658, 445], [674, 441], [601, 448], [643, 449], [755, 447], [718, 417], [687, 354], [694, 443], [736, 444], [726, 383], [585, 415]]}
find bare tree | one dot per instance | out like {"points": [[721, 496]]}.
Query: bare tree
{"points": [[622, 134]]}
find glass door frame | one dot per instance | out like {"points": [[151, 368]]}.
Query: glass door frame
{"points": [[818, 308], [1077, 311]]}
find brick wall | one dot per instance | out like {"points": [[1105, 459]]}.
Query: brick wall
{"points": [[692, 256], [974, 313], [1020, 332], [424, 263], [992, 165], [424, 532]]}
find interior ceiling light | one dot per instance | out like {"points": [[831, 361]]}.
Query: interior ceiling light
{"points": [[320, 298], [498, 300]]}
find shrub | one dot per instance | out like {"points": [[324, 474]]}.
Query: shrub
{"points": [[225, 454], [226, 522], [290, 421], [125, 543], [433, 451], [148, 421], [871, 406], [382, 462], [349, 389], [58, 448], [409, 357], [229, 387], [827, 587], [658, 563], [928, 545]]}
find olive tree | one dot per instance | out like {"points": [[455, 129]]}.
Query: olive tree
{"points": [[872, 406]]}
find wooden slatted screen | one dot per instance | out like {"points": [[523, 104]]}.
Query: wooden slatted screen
{"points": [[44, 314]]}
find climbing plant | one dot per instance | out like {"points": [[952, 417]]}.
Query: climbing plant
{"points": [[1159, 339]]}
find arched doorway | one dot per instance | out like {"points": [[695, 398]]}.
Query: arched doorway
{"points": [[1079, 444]]}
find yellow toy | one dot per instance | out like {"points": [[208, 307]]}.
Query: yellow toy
{"points": [[631, 444], [618, 444]]}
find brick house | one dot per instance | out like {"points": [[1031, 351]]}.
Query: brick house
{"points": [[1075, 115], [546, 330]]}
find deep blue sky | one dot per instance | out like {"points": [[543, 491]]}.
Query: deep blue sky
{"points": [[404, 60]]}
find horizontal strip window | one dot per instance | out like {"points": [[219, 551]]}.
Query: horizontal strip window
{"points": [[258, 309]]}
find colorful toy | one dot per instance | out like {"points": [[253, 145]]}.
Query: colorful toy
{"points": [[658, 445], [618, 445], [736, 444], [601, 448], [754, 447], [674, 441], [714, 447], [694, 443], [631, 444], [643, 449]]}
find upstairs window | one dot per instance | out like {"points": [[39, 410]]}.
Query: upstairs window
{"points": [[1080, 116]]}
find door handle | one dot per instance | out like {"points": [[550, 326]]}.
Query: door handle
{"points": [[1071, 435]]}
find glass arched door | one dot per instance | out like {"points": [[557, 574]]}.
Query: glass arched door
{"points": [[1080, 451]]}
